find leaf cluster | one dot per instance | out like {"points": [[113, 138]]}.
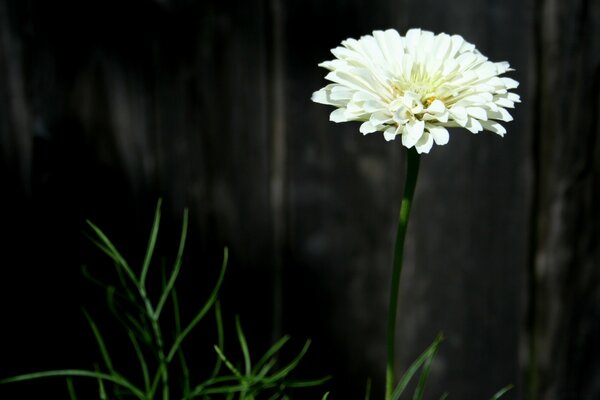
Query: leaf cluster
{"points": [[163, 366]]}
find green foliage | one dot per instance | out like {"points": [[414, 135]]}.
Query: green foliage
{"points": [[163, 366], [423, 362]]}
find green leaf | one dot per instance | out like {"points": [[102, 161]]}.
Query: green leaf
{"points": [[501, 392], [101, 345], [155, 381], [129, 322], [151, 244], [116, 379], [420, 389], [368, 389], [141, 359], [71, 389], [243, 345], [325, 396], [209, 303], [199, 389], [101, 389], [414, 367], [176, 267], [265, 369], [307, 382], [182, 361], [444, 396], [220, 338], [271, 352], [228, 364], [282, 373], [107, 247]]}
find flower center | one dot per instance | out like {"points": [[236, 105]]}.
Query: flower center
{"points": [[427, 102], [424, 89]]}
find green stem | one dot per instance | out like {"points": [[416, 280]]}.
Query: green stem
{"points": [[412, 173]]}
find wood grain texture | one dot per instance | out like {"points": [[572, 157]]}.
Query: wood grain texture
{"points": [[108, 105], [565, 280]]}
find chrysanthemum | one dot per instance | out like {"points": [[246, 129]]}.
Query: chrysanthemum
{"points": [[416, 86]]}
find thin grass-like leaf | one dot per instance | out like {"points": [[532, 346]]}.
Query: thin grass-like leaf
{"points": [[132, 295], [88, 275], [307, 382], [180, 354], [199, 389], [176, 267], [101, 389], [414, 367], [325, 396], [501, 392], [112, 292], [100, 341], [151, 244], [209, 303], [129, 321], [220, 338], [243, 346], [116, 379], [282, 373], [112, 252], [225, 389], [155, 381], [274, 397], [266, 369], [144, 333], [444, 396], [420, 389], [271, 352], [71, 389], [228, 364], [368, 389], [141, 359]]}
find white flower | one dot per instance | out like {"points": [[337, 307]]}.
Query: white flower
{"points": [[416, 86]]}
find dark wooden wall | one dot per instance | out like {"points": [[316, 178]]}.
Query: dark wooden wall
{"points": [[107, 105]]}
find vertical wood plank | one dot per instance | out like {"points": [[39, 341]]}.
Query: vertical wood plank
{"points": [[565, 292]]}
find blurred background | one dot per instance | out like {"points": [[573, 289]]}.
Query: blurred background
{"points": [[105, 106]]}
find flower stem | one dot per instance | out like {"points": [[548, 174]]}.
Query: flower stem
{"points": [[412, 172]]}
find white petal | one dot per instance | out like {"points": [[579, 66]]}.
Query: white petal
{"points": [[389, 134], [514, 97], [338, 115], [341, 93], [443, 44], [412, 40], [367, 127], [504, 102], [494, 127], [474, 125], [412, 132], [320, 96], [373, 106], [510, 83], [364, 96], [459, 114], [478, 113], [500, 114], [440, 134], [380, 118], [502, 67], [436, 107], [425, 143]]}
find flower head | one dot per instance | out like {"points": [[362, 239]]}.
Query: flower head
{"points": [[416, 86]]}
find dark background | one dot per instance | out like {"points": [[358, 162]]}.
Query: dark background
{"points": [[105, 106]]}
